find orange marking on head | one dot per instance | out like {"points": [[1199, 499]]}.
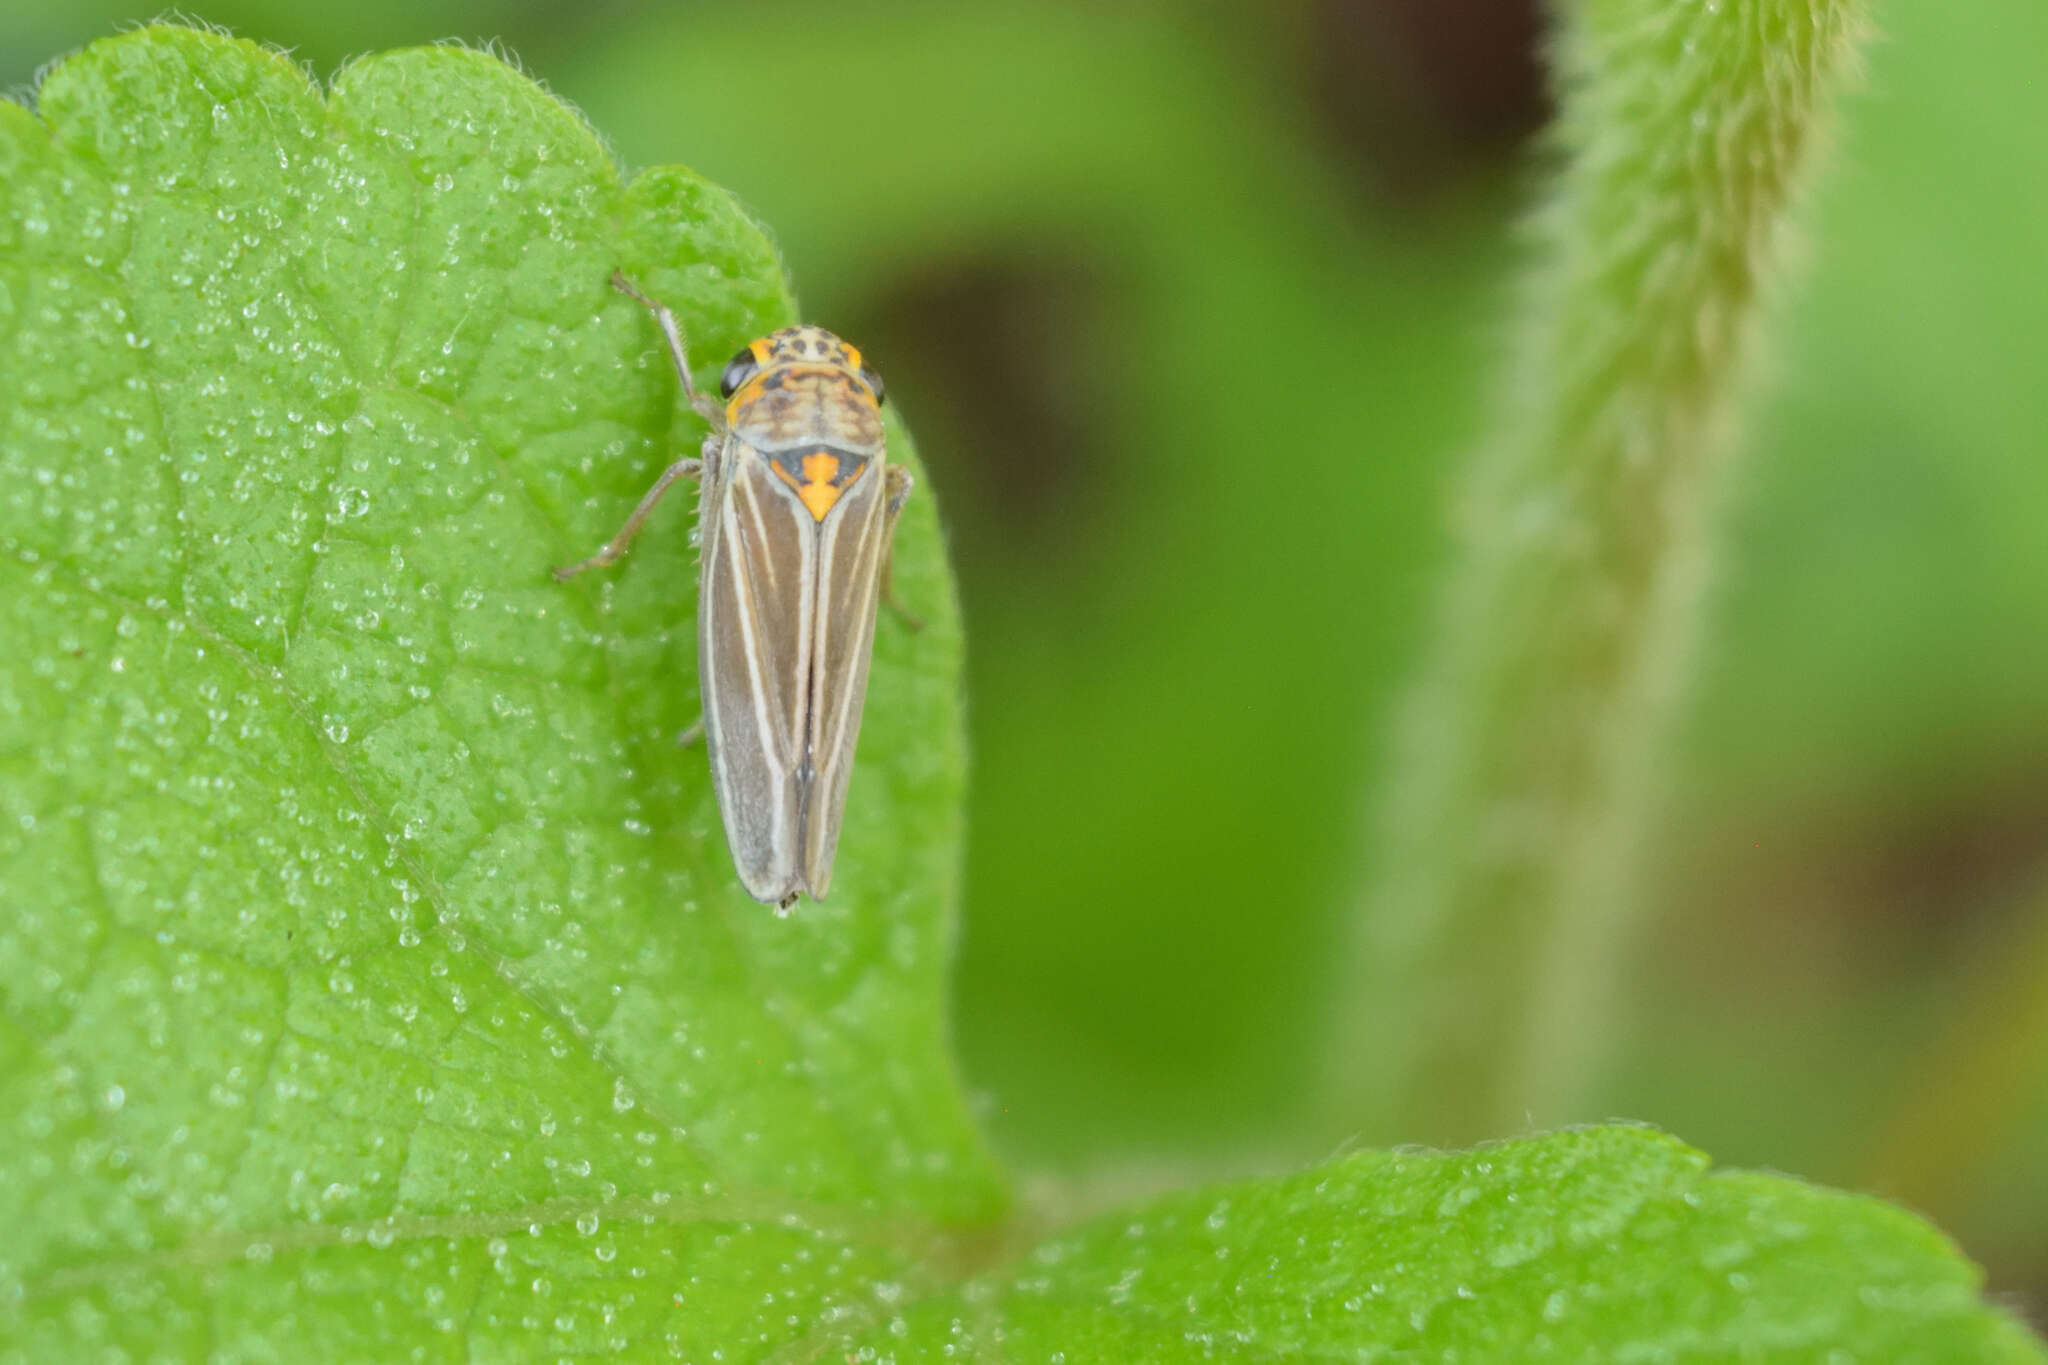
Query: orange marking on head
{"points": [[852, 355], [743, 397], [763, 352]]}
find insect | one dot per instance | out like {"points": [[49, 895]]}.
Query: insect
{"points": [[796, 513]]}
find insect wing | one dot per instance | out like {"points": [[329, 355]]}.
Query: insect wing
{"points": [[851, 543], [756, 620]]}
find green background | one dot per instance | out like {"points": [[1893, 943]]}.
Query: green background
{"points": [[1194, 310]]}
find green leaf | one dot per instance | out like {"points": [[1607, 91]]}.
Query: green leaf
{"points": [[358, 895], [1605, 1244], [373, 984]]}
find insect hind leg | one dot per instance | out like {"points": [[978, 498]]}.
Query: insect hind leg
{"points": [[898, 486]]}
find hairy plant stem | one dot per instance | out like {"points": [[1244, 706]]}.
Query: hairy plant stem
{"points": [[1524, 768]]}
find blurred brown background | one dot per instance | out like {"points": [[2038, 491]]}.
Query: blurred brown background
{"points": [[1193, 308]]}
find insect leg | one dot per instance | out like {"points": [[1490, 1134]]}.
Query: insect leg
{"points": [[899, 485], [616, 546], [707, 408]]}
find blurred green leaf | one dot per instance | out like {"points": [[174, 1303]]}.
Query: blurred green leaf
{"points": [[1886, 623]]}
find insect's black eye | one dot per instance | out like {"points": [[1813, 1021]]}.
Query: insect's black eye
{"points": [[874, 383], [737, 371]]}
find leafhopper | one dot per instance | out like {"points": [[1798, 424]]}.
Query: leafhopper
{"points": [[797, 510]]}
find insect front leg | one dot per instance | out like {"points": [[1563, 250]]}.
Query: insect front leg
{"points": [[706, 464], [707, 408], [898, 487]]}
